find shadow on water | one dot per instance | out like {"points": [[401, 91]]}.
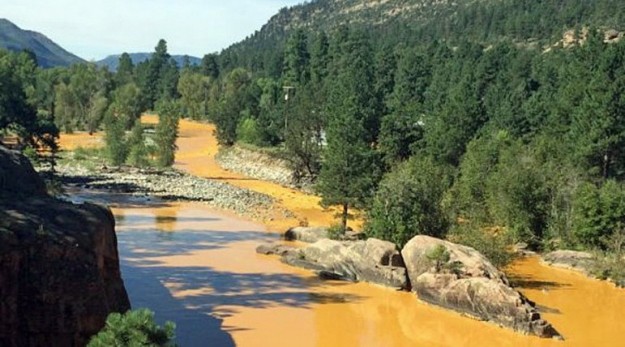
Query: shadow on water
{"points": [[193, 328], [208, 294], [524, 282]]}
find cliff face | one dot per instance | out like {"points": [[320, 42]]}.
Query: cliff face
{"points": [[59, 266]]}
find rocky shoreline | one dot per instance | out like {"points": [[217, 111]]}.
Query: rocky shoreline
{"points": [[262, 166], [172, 185]]}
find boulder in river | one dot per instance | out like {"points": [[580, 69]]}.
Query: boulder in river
{"points": [[460, 278], [373, 260]]}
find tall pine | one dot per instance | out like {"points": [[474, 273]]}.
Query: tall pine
{"points": [[350, 172]]}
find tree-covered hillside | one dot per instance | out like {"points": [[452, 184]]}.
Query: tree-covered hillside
{"points": [[392, 22]]}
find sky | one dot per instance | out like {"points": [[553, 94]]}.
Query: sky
{"points": [[94, 29]]}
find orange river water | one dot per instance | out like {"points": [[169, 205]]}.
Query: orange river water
{"points": [[197, 266]]}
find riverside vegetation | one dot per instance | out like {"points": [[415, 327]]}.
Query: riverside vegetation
{"points": [[508, 134]]}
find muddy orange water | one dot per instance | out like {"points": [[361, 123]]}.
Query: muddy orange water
{"points": [[197, 266]]}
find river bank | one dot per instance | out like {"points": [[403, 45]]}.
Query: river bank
{"points": [[171, 185]]}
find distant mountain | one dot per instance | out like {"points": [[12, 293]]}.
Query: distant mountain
{"points": [[48, 53], [113, 60]]}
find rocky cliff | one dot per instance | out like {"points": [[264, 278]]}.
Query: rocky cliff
{"points": [[59, 266]]}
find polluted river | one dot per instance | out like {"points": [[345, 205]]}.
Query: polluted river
{"points": [[197, 266]]}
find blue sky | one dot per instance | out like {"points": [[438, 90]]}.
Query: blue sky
{"points": [[93, 29]]}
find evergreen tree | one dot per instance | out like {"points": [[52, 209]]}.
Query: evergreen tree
{"points": [[134, 328], [210, 67], [350, 172], [319, 59], [296, 59], [166, 132], [125, 70], [114, 139], [138, 154]]}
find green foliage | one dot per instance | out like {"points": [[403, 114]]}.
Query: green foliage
{"points": [[126, 104], [18, 113], [598, 213], [408, 202], [350, 170], [304, 138], [81, 98], [193, 90], [31, 153], [134, 328], [336, 232], [439, 256], [115, 140], [517, 195], [166, 132], [138, 154], [296, 59], [249, 132], [233, 103], [610, 263], [495, 246]]}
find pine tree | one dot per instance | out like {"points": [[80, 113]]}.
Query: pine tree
{"points": [[125, 70], [296, 59], [114, 139], [166, 132], [349, 173]]}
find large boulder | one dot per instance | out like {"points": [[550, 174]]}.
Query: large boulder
{"points": [[17, 176], [59, 266], [460, 278], [373, 260], [572, 260]]}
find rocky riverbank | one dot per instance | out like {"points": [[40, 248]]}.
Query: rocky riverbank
{"points": [[172, 185], [262, 166]]}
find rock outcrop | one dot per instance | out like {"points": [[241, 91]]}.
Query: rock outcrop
{"points": [[373, 260], [59, 266], [460, 278], [572, 260]]}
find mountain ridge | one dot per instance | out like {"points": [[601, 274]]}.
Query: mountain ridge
{"points": [[47, 52]]}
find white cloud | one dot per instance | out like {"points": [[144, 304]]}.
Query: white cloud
{"points": [[95, 29]]}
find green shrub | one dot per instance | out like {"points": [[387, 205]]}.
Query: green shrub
{"points": [[439, 256], [134, 328], [408, 203], [114, 139], [597, 213], [249, 132], [138, 155], [31, 153], [496, 247], [336, 232]]}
